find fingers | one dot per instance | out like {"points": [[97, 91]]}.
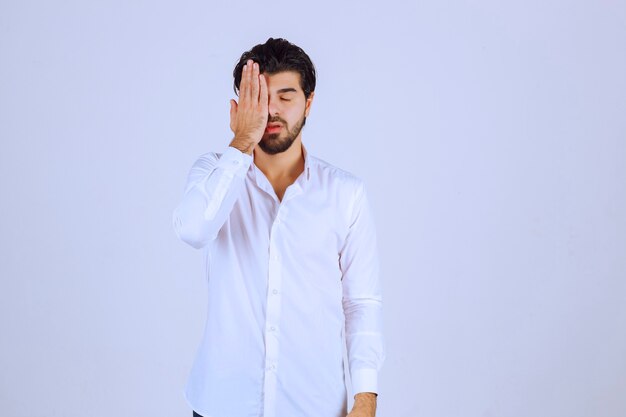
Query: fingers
{"points": [[263, 100], [254, 83], [233, 114], [248, 68], [250, 85], [243, 90], [233, 108]]}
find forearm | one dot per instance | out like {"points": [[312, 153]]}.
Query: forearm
{"points": [[212, 188], [364, 340]]}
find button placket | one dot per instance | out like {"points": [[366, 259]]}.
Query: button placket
{"points": [[272, 335]]}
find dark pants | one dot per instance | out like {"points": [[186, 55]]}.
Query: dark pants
{"points": [[196, 414]]}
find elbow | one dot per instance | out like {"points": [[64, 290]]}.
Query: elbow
{"points": [[353, 305], [194, 241], [193, 236]]}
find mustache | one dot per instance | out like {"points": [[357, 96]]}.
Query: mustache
{"points": [[276, 120]]}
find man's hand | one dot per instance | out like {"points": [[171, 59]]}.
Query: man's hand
{"points": [[364, 405], [248, 118]]}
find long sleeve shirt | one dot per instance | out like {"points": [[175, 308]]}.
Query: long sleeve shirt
{"points": [[291, 282]]}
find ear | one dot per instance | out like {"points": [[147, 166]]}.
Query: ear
{"points": [[307, 105]]}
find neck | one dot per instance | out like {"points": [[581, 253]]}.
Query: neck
{"points": [[288, 164]]}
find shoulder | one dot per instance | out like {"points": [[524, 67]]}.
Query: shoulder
{"points": [[343, 189], [207, 159], [346, 188], [331, 174]]}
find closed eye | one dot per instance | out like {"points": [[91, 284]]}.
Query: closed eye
{"points": [[285, 99]]}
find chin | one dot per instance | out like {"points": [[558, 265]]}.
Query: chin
{"points": [[274, 145]]}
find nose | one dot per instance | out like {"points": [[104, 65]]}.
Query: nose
{"points": [[273, 106]]}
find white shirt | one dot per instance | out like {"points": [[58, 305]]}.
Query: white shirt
{"points": [[282, 278]]}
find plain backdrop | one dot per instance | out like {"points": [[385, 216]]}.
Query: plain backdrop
{"points": [[491, 136]]}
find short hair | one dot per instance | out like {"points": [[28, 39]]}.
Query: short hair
{"points": [[277, 55]]}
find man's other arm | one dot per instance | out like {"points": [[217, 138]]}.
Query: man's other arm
{"points": [[362, 304]]}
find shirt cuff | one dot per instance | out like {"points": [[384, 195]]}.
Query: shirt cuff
{"points": [[364, 380], [235, 161]]}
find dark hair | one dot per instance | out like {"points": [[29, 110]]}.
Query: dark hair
{"points": [[278, 55]]}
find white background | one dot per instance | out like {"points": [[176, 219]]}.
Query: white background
{"points": [[491, 136]]}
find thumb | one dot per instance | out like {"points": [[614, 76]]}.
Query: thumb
{"points": [[233, 114]]}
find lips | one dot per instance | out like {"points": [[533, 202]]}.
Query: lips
{"points": [[273, 127]]}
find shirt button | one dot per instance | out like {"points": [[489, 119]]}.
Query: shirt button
{"points": [[272, 328], [274, 291], [235, 162]]}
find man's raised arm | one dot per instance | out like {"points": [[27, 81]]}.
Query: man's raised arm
{"points": [[213, 183]]}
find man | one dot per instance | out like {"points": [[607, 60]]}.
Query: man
{"points": [[291, 256]]}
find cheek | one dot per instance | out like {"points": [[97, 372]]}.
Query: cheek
{"points": [[293, 114], [299, 110]]}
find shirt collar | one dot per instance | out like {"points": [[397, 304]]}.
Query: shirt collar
{"points": [[307, 165]]}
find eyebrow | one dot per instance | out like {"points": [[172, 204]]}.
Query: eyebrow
{"points": [[286, 90]]}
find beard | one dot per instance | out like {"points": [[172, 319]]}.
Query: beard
{"points": [[273, 143]]}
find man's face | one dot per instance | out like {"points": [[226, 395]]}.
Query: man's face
{"points": [[287, 111]]}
